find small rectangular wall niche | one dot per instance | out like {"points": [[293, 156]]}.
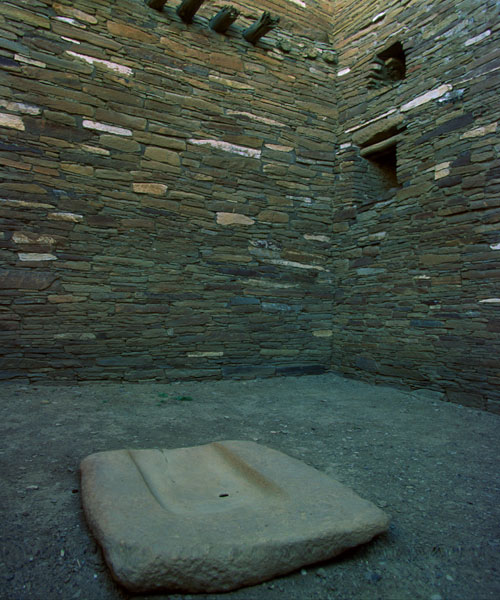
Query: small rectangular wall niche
{"points": [[388, 66], [394, 60], [381, 167], [384, 168], [378, 163]]}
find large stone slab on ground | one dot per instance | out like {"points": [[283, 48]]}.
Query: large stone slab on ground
{"points": [[217, 517]]}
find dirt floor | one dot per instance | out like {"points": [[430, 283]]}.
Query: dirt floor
{"points": [[432, 466]]}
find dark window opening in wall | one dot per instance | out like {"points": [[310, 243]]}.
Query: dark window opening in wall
{"points": [[384, 168], [395, 61], [388, 66], [380, 168]]}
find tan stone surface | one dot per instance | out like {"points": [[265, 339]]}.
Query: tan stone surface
{"points": [[217, 517], [225, 218], [162, 155], [157, 189], [12, 121]]}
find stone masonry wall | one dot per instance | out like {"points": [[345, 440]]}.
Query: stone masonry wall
{"points": [[418, 260], [165, 193], [177, 203]]}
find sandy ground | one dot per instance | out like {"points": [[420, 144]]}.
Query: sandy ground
{"points": [[432, 466]]}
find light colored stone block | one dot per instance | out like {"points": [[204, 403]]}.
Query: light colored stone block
{"points": [[156, 189], [73, 12], [427, 97], [225, 218], [35, 256], [217, 517], [227, 147], [106, 128], [65, 216], [12, 121], [112, 66]]}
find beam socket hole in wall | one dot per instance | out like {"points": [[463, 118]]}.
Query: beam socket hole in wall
{"points": [[388, 66]]}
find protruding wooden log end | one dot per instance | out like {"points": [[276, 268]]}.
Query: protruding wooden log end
{"points": [[260, 27], [156, 4], [188, 8], [224, 19]]}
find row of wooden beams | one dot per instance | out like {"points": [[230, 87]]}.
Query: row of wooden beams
{"points": [[223, 19]]}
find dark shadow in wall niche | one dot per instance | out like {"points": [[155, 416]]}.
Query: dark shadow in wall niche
{"points": [[383, 169], [381, 165], [388, 66]]}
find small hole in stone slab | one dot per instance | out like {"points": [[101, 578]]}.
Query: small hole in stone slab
{"points": [[223, 495]]}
